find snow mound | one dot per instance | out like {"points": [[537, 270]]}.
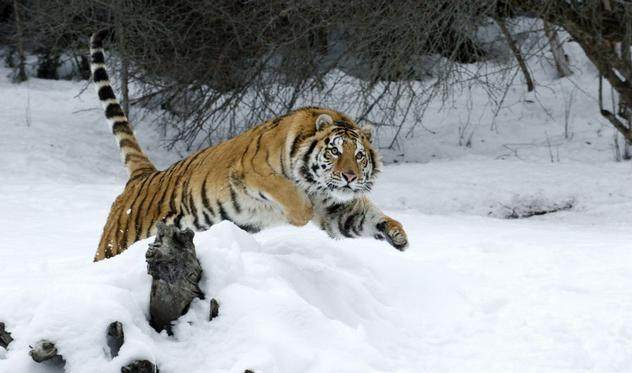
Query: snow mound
{"points": [[286, 304]]}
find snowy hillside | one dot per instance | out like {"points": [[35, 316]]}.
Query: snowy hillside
{"points": [[474, 293]]}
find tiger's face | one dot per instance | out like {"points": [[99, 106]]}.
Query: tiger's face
{"points": [[341, 161]]}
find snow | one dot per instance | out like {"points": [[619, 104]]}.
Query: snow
{"points": [[475, 292]]}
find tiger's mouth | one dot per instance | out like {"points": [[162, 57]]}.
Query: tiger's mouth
{"points": [[337, 185], [346, 191]]}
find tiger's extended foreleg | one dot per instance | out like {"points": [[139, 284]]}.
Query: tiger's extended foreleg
{"points": [[360, 218], [295, 204]]}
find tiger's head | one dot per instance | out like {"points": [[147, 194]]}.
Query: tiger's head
{"points": [[340, 160]]}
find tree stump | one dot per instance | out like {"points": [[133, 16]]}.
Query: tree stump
{"points": [[175, 269], [45, 351], [5, 336]]}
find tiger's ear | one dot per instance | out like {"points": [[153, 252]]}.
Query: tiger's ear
{"points": [[323, 120], [368, 130]]}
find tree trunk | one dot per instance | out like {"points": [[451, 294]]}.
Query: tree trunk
{"points": [[516, 52], [47, 64], [124, 85], [625, 106], [84, 67], [175, 269], [122, 48], [557, 50], [21, 76]]}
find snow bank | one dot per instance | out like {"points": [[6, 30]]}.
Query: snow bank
{"points": [[472, 294], [287, 304]]}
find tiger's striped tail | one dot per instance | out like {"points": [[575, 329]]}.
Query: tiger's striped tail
{"points": [[135, 160]]}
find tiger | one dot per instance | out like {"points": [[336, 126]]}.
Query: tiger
{"points": [[311, 164]]}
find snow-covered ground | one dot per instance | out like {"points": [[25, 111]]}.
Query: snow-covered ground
{"points": [[474, 293]]}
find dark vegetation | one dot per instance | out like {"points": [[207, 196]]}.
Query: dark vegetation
{"points": [[215, 68]]}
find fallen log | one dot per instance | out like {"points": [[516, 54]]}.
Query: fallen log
{"points": [[176, 271]]}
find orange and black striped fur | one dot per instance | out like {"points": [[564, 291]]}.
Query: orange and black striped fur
{"points": [[312, 164]]}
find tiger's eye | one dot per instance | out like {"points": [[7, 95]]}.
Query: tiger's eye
{"points": [[359, 156], [334, 151]]}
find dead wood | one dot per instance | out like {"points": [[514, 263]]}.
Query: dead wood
{"points": [[5, 336], [45, 351], [175, 269]]}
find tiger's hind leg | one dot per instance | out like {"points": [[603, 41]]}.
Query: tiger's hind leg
{"points": [[128, 220], [111, 239]]}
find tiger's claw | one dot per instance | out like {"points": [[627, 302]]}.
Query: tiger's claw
{"points": [[394, 233]]}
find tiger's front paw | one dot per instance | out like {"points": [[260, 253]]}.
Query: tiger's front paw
{"points": [[393, 232]]}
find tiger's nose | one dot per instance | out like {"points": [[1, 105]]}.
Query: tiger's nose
{"points": [[349, 176]]}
